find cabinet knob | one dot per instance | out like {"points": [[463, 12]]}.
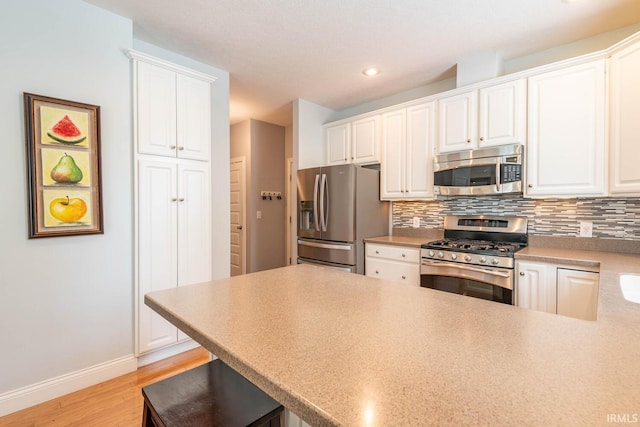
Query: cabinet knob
{"points": [[376, 271], [181, 148], [468, 141], [482, 138], [175, 199], [530, 185], [403, 255], [181, 199], [521, 273], [377, 252], [172, 147], [404, 277]]}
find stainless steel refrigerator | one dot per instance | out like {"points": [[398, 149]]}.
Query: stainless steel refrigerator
{"points": [[338, 207]]}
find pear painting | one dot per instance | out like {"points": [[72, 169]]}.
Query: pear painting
{"points": [[66, 171]]}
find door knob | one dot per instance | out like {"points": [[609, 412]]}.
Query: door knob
{"points": [[239, 227]]}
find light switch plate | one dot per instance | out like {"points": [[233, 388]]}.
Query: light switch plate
{"points": [[258, 214], [586, 228], [416, 222]]}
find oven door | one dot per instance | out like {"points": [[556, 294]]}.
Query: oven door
{"points": [[494, 284]]}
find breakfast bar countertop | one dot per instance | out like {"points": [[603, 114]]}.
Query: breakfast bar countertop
{"points": [[344, 349]]}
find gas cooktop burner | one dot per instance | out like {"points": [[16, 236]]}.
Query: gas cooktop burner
{"points": [[475, 246]]}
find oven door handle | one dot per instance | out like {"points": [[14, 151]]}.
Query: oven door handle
{"points": [[468, 268]]}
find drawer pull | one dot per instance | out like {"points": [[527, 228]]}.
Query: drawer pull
{"points": [[404, 277], [377, 252], [403, 255], [377, 272]]}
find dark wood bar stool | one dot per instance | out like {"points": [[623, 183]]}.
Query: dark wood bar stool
{"points": [[210, 395]]}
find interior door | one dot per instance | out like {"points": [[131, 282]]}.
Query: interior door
{"points": [[238, 232], [308, 193], [338, 190]]}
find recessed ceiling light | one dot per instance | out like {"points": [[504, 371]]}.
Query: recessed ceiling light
{"points": [[371, 71]]}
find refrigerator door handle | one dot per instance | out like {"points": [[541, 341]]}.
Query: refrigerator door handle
{"points": [[326, 245], [315, 203], [324, 197]]}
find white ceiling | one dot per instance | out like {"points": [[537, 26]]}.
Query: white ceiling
{"points": [[280, 50]]}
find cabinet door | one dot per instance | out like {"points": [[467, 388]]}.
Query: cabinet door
{"points": [[625, 126], [338, 144], [536, 286], [502, 114], [566, 143], [392, 166], [156, 110], [194, 225], [578, 293], [193, 118], [157, 259], [365, 140], [419, 152], [457, 122]]}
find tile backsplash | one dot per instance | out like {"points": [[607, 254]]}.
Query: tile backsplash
{"points": [[612, 217]]}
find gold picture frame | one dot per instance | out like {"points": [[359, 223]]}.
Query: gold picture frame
{"points": [[63, 167]]}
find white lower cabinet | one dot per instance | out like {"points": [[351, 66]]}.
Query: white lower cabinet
{"points": [[174, 238], [396, 263], [557, 289], [292, 420], [578, 293]]}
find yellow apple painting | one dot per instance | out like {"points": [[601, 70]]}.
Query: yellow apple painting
{"points": [[64, 208], [63, 167]]}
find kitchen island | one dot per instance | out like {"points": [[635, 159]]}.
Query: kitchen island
{"points": [[344, 349]]}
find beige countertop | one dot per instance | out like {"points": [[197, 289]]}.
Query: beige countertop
{"points": [[409, 241], [344, 349]]}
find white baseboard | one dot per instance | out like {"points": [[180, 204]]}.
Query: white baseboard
{"points": [[25, 397], [154, 356]]}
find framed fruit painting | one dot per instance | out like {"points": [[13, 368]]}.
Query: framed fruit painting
{"points": [[63, 167]]}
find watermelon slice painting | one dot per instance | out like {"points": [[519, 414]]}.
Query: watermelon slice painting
{"points": [[66, 132]]}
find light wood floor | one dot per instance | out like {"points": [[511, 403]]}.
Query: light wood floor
{"points": [[113, 403]]}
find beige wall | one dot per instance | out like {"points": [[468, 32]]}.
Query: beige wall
{"points": [[263, 146]]}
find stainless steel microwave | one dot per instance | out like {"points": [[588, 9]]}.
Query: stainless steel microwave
{"points": [[494, 170]]}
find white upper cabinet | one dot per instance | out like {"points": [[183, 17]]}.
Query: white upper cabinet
{"points": [[173, 113], [355, 142], [406, 168], [625, 121], [495, 115], [338, 139], [566, 137], [458, 122], [502, 114]]}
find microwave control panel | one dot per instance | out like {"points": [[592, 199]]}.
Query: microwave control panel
{"points": [[510, 173]]}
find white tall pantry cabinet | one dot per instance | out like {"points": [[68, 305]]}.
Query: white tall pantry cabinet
{"points": [[172, 122]]}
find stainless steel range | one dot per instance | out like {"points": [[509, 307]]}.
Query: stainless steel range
{"points": [[475, 258]]}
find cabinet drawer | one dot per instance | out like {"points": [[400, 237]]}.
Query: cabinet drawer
{"points": [[401, 272], [391, 252]]}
